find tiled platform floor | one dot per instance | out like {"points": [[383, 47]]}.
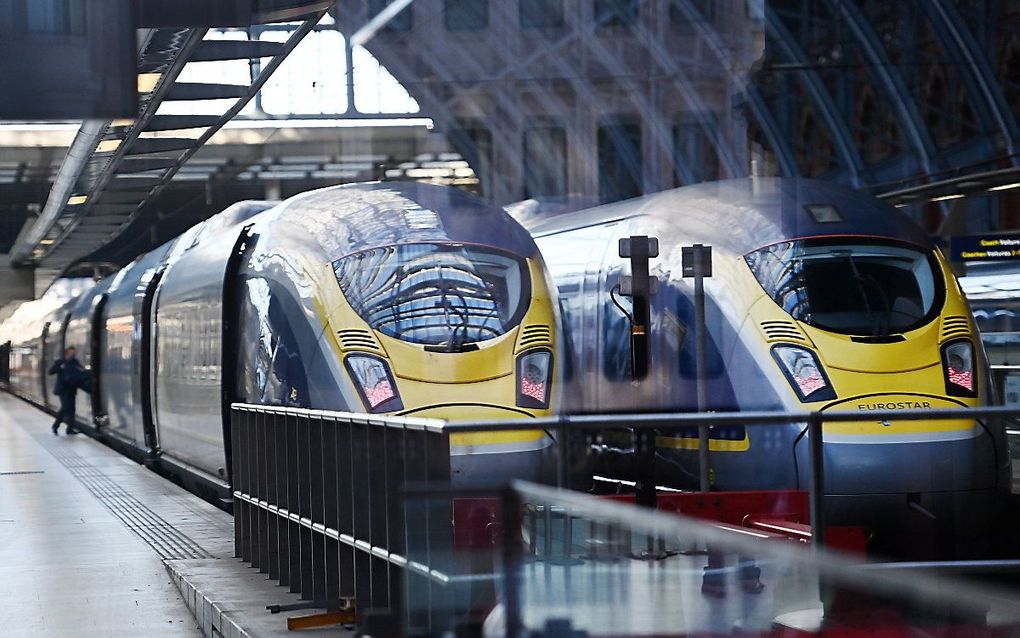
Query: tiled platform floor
{"points": [[86, 537]]}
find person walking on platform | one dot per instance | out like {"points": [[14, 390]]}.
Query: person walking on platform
{"points": [[70, 374]]}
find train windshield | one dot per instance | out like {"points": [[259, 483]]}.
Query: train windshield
{"points": [[449, 296], [866, 288]]}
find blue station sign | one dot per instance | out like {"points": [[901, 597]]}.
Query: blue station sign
{"points": [[997, 247]]}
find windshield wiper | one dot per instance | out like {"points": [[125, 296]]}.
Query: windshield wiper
{"points": [[455, 344], [880, 323]]}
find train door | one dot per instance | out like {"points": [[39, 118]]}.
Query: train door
{"points": [[52, 348], [5, 363], [96, 330], [231, 334], [148, 361]]}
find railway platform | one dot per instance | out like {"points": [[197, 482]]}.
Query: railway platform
{"points": [[95, 545]]}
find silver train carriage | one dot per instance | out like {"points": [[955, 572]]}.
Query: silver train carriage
{"points": [[821, 298], [398, 298]]}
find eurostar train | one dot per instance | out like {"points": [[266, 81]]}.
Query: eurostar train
{"points": [[400, 298], [821, 298]]}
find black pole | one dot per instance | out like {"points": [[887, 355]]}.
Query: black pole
{"points": [[703, 442], [640, 249], [513, 553], [697, 263], [817, 481]]}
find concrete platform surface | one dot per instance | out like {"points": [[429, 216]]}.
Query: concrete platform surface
{"points": [[93, 544]]}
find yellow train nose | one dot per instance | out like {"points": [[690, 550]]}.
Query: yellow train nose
{"points": [[466, 412], [874, 430], [484, 442]]}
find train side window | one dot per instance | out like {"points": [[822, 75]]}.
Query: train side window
{"points": [[687, 345], [545, 161], [465, 15], [567, 319], [616, 363]]}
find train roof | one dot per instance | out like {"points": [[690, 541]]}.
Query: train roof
{"points": [[742, 215], [355, 217]]}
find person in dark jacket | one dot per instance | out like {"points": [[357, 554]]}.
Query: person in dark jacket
{"points": [[69, 373]]}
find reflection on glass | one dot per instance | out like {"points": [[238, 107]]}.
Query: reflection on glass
{"points": [[589, 565], [868, 289], [436, 294]]}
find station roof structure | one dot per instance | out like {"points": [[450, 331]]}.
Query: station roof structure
{"points": [[917, 103], [914, 102], [114, 167]]}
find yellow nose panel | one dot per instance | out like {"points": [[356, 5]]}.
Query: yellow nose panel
{"points": [[474, 412], [879, 431]]}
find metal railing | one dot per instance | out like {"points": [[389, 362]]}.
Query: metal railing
{"points": [[567, 426], [318, 503], [319, 496]]}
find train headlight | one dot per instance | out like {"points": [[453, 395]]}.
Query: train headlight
{"points": [[534, 376], [374, 382], [958, 368], [804, 373]]}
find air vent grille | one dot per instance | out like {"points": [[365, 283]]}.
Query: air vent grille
{"points": [[955, 326], [533, 336], [782, 331], [357, 340]]}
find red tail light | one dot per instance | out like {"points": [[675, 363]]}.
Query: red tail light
{"points": [[534, 376], [958, 367], [804, 372], [374, 382]]}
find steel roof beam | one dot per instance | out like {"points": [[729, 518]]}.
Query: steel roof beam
{"points": [[948, 23], [769, 126], [819, 95], [891, 81]]}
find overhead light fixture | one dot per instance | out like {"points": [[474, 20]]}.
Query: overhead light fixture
{"points": [[45, 242], [108, 146], [123, 122], [1004, 187], [77, 200], [147, 82], [945, 197]]}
